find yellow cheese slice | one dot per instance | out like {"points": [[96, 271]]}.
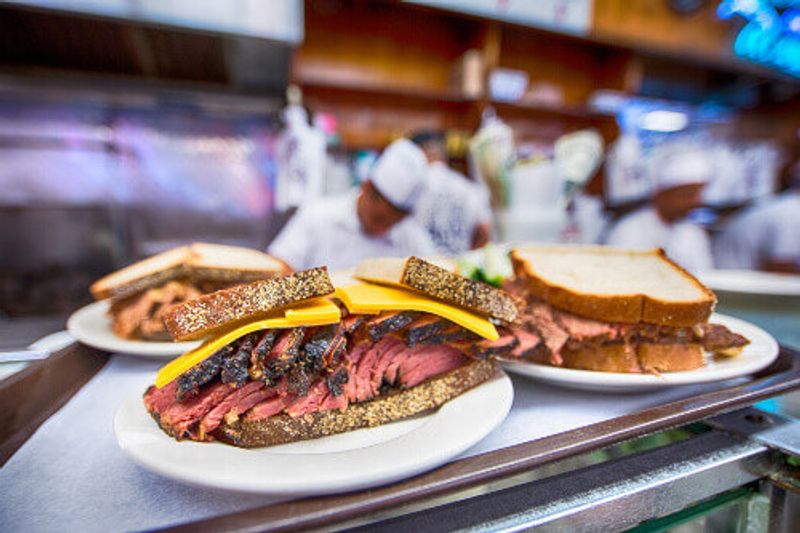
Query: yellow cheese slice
{"points": [[317, 312], [369, 298]]}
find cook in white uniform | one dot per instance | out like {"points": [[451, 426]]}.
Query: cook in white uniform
{"points": [[455, 210], [344, 230], [765, 236], [680, 178]]}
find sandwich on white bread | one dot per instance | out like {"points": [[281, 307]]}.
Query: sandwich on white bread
{"points": [[291, 358], [141, 293], [607, 309]]}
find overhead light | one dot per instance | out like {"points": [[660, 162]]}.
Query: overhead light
{"points": [[664, 121]]}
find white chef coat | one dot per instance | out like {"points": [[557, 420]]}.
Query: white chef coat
{"points": [[766, 232], [328, 232], [684, 242], [451, 209]]}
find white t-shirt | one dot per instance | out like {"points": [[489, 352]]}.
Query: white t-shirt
{"points": [[451, 208], [766, 232], [684, 242], [328, 232]]}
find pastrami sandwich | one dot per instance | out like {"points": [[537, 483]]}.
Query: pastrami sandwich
{"points": [[293, 358], [141, 293], [606, 309]]}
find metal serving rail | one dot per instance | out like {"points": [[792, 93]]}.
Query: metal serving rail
{"points": [[587, 478]]}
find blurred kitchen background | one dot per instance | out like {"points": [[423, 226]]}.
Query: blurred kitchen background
{"points": [[128, 126]]}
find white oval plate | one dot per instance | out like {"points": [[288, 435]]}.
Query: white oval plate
{"points": [[752, 282], [762, 350], [92, 326], [348, 461]]}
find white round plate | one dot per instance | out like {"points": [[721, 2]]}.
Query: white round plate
{"points": [[92, 326], [348, 461], [762, 350], [752, 282]]}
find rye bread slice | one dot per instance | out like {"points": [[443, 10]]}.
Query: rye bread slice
{"points": [[282, 429], [196, 262], [614, 285], [226, 308], [439, 283]]}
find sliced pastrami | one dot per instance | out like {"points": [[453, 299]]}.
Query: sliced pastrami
{"points": [[453, 333], [386, 323], [337, 380], [389, 349], [529, 342], [554, 337], [324, 348], [259, 355], [424, 327], [484, 348], [189, 382], [436, 361], [581, 329], [234, 368], [715, 337], [213, 419], [181, 418], [269, 407], [308, 403], [283, 355], [157, 400], [251, 400], [351, 360]]}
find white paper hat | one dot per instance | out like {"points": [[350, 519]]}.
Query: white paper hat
{"points": [[578, 155], [684, 167], [400, 174]]}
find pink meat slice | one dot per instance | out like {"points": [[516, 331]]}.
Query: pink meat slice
{"points": [[433, 362], [269, 407], [363, 373], [553, 336], [159, 400], [351, 363], [308, 403], [213, 419], [392, 347], [580, 328], [247, 402], [182, 416], [527, 342]]}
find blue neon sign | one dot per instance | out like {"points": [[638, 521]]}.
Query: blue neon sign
{"points": [[772, 33]]}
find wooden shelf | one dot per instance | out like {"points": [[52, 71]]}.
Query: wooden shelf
{"points": [[422, 94], [540, 109]]}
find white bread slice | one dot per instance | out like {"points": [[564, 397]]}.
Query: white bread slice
{"points": [[199, 261], [439, 282], [614, 285]]}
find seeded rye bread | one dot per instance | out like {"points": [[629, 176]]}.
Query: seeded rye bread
{"points": [[196, 262], [281, 429], [440, 283], [628, 306], [204, 315]]}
